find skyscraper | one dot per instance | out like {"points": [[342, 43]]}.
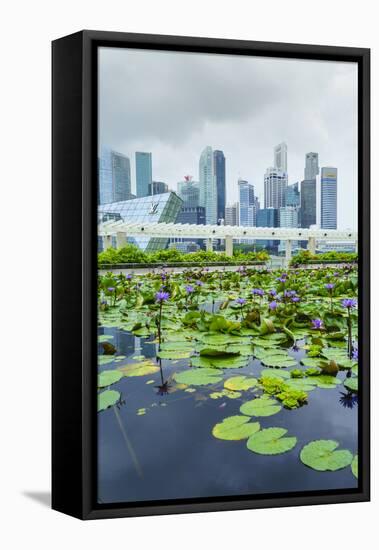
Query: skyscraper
{"points": [[232, 214], [329, 198], [275, 186], [311, 169], [208, 187], [293, 195], [219, 171], [280, 157], [268, 217], [308, 203], [144, 173], [246, 203], [114, 177], [189, 192], [288, 216], [158, 187]]}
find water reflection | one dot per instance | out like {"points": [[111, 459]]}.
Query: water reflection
{"points": [[348, 399]]}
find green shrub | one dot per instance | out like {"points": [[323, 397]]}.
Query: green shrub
{"points": [[305, 257]]}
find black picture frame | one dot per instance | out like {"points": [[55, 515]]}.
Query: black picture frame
{"points": [[74, 271]]}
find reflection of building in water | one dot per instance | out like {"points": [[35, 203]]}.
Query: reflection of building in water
{"points": [[124, 343], [147, 348]]}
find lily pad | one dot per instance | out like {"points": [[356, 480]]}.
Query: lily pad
{"points": [[274, 373], [354, 466], [108, 377], [235, 428], [198, 377], [175, 354], [280, 361], [225, 393], [321, 455], [105, 359], [107, 399], [139, 369], [238, 383], [104, 337], [232, 362], [271, 442], [261, 406], [351, 383]]}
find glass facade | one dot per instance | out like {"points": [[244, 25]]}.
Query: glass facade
{"points": [[114, 177], [308, 203], [208, 189], [144, 173], [246, 203], [163, 208], [189, 192], [329, 198], [293, 195], [219, 170]]}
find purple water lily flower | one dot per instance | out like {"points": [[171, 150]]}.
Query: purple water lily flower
{"points": [[273, 305], [349, 303], [110, 289], [329, 286], [317, 324], [162, 296], [355, 354], [129, 276], [258, 292], [199, 283], [241, 301], [295, 299], [189, 289], [272, 292], [281, 279]]}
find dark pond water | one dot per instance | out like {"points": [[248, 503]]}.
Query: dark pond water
{"points": [[170, 453]]}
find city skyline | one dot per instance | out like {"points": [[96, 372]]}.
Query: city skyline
{"points": [[241, 128]]}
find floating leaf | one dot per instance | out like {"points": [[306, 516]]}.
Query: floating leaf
{"points": [[235, 428], [108, 377], [321, 455], [225, 393], [105, 359], [302, 384], [271, 442], [351, 383], [261, 406], [198, 377], [238, 383], [175, 354], [104, 337], [278, 361], [274, 373], [106, 399], [218, 352], [354, 466], [139, 369], [232, 362]]}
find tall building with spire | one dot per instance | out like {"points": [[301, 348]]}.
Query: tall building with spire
{"points": [[208, 186]]}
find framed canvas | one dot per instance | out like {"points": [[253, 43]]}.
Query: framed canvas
{"points": [[210, 274]]}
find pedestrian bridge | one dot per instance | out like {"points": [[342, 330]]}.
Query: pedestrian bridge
{"points": [[121, 230]]}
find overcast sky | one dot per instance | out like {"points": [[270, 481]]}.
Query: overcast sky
{"points": [[175, 104]]}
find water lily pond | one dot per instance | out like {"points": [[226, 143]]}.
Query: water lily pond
{"points": [[227, 383]]}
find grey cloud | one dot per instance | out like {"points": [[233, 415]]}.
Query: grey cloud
{"points": [[174, 104]]}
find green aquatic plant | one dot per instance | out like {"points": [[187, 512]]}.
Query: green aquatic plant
{"points": [[354, 466], [260, 406], [240, 383], [322, 455], [107, 399], [271, 441], [198, 377], [235, 428]]}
